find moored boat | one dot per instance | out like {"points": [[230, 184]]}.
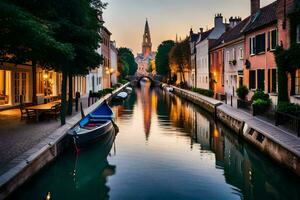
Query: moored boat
{"points": [[93, 126], [121, 96], [128, 89]]}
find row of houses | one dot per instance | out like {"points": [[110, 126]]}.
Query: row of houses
{"points": [[17, 81], [241, 52]]}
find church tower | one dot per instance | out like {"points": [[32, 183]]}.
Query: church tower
{"points": [[147, 44]]}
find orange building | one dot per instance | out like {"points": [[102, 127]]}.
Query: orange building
{"points": [[260, 42]]}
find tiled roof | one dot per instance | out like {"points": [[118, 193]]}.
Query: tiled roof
{"points": [[195, 37], [231, 34], [265, 16], [205, 34]]}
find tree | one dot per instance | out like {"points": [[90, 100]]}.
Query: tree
{"points": [[126, 56], [123, 67], [74, 30], [180, 57], [162, 59], [37, 43]]}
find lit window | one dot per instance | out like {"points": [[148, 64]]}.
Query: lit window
{"points": [[297, 82]]}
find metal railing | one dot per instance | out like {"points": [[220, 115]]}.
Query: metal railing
{"points": [[289, 121]]}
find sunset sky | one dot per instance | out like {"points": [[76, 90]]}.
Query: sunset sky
{"points": [[126, 18]]}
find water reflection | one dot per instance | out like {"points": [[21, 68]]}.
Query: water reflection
{"points": [[74, 176], [186, 156]]}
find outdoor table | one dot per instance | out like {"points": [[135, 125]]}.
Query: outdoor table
{"points": [[39, 109]]}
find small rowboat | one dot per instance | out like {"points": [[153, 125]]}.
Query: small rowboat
{"points": [[128, 89], [121, 96], [93, 126]]}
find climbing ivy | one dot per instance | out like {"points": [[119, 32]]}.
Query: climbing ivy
{"points": [[287, 61]]}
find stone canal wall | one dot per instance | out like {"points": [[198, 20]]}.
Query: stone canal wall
{"points": [[276, 143], [206, 103], [36, 158]]}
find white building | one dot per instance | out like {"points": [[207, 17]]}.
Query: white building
{"points": [[113, 62], [94, 78], [202, 48]]}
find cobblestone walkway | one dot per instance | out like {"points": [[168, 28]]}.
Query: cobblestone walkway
{"points": [[16, 136]]}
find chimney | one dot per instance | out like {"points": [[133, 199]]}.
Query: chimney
{"points": [[255, 6], [233, 21], [191, 32], [219, 20]]}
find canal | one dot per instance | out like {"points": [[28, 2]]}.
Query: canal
{"points": [[167, 148]]}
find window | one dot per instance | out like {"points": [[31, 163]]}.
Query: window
{"points": [[260, 41], [297, 82], [252, 45], [274, 81], [272, 39], [233, 54], [227, 56], [298, 34], [241, 53], [252, 79], [261, 79]]}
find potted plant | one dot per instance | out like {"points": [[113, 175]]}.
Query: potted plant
{"points": [[261, 102], [242, 92]]}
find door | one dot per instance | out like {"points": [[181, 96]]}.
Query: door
{"points": [[20, 87]]}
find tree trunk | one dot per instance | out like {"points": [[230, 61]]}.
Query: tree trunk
{"points": [[63, 98], [34, 98], [70, 101]]}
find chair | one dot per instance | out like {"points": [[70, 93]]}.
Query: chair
{"points": [[23, 112], [27, 114], [55, 111]]}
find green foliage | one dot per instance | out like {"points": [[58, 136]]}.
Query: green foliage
{"points": [[242, 92], [162, 57], [108, 90], [180, 57], [289, 108], [208, 93], [259, 94], [287, 61], [126, 62], [261, 101], [122, 81], [27, 37]]}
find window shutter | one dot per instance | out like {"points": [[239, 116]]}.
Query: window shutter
{"points": [[250, 46], [254, 45], [274, 81], [269, 40]]}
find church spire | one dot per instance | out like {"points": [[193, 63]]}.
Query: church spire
{"points": [[147, 44]]}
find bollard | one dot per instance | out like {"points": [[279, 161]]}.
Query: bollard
{"points": [[77, 97]]}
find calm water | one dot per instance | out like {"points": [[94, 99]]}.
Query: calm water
{"points": [[166, 149]]}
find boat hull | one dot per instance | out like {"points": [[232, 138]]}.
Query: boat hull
{"points": [[82, 140]]}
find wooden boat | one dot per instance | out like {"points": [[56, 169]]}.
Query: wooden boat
{"points": [[121, 96], [128, 89], [93, 126]]}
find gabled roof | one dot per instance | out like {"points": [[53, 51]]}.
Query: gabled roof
{"points": [[204, 35], [232, 34], [195, 37], [265, 16]]}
